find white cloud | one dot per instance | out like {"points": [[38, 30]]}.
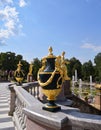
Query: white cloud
{"points": [[91, 46], [9, 19], [22, 3], [6, 1]]}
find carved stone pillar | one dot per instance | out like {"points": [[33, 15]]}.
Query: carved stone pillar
{"points": [[62, 98]]}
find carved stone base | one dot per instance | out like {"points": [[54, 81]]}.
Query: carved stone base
{"points": [[51, 106], [58, 108]]}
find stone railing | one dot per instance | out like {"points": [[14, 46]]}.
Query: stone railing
{"points": [[29, 115], [32, 88], [20, 99]]}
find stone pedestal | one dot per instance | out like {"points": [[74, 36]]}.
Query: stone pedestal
{"points": [[67, 90], [29, 78]]}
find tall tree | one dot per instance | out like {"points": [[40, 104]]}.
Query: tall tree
{"points": [[36, 66], [25, 67], [9, 60], [87, 70], [74, 64], [97, 61]]}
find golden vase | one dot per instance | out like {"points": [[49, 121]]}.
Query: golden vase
{"points": [[50, 78]]}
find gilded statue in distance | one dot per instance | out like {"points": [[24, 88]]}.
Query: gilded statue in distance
{"points": [[18, 74], [30, 69]]}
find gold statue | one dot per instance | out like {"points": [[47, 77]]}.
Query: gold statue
{"points": [[19, 67], [63, 66], [30, 69]]}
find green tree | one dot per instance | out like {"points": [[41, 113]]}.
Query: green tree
{"points": [[25, 67], [9, 60], [74, 64], [36, 66], [97, 61], [87, 70]]}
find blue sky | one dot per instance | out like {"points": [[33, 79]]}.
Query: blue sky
{"points": [[29, 27]]}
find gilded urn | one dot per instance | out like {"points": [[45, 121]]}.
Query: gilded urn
{"points": [[50, 78], [18, 74]]}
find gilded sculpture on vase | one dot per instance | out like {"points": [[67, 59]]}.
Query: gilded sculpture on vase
{"points": [[63, 66], [50, 77]]}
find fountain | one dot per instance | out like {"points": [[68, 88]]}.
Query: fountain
{"points": [[75, 75], [73, 84], [90, 85], [80, 88]]}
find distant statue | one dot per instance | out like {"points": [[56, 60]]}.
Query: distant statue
{"points": [[63, 66], [30, 69]]}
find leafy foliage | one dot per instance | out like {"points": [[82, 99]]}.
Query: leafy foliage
{"points": [[87, 70], [74, 64], [36, 66], [97, 61], [9, 61]]}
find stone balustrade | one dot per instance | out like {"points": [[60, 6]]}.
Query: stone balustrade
{"points": [[29, 115], [20, 99], [32, 88]]}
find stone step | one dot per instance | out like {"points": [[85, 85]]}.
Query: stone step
{"points": [[5, 118], [6, 122], [7, 126], [6, 98], [3, 101], [4, 105], [5, 94], [4, 110], [3, 97]]}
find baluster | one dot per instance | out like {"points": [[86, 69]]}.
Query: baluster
{"points": [[34, 91], [37, 95], [31, 90]]}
